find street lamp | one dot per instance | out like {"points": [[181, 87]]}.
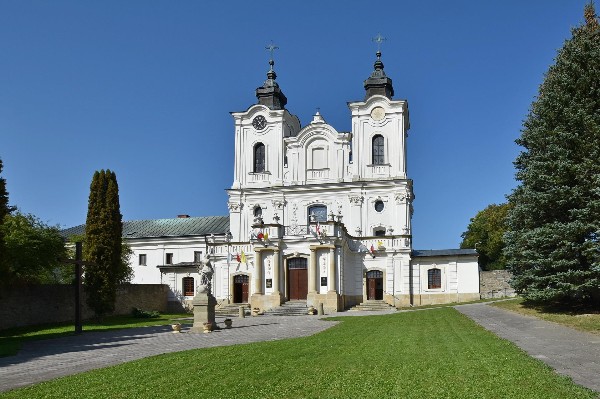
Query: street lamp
{"points": [[228, 238]]}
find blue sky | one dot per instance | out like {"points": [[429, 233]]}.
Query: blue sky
{"points": [[145, 88]]}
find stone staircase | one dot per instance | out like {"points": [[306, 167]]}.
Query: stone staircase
{"points": [[373, 306], [290, 308], [232, 310]]}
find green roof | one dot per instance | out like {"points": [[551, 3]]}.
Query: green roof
{"points": [[176, 227]]}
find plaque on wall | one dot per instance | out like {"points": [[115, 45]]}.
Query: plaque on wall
{"points": [[269, 283], [323, 281]]}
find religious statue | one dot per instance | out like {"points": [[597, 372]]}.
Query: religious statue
{"points": [[206, 272]]}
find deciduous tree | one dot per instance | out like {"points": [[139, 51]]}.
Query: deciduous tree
{"points": [[33, 251], [553, 231], [486, 234]]}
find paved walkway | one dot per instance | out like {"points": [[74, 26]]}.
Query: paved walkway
{"points": [[569, 352], [43, 360]]}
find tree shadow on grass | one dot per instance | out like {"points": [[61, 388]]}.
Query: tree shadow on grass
{"points": [[571, 309]]}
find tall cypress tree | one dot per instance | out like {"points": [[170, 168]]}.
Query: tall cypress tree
{"points": [[103, 248], [553, 233]]}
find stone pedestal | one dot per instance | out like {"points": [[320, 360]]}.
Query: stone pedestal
{"points": [[332, 302], [204, 311]]}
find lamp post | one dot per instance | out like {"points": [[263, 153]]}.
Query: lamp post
{"points": [[228, 238]]}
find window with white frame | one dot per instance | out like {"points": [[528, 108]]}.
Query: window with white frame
{"points": [[434, 278], [188, 286]]}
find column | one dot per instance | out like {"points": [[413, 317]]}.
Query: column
{"points": [[332, 274], [276, 271], [258, 266], [312, 271]]}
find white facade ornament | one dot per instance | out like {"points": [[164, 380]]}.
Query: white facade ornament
{"points": [[235, 206], [278, 204], [356, 199], [400, 198]]}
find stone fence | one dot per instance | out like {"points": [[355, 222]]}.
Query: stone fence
{"points": [[40, 304], [494, 284]]}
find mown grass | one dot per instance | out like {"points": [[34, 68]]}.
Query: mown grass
{"points": [[433, 354], [580, 319], [12, 339]]}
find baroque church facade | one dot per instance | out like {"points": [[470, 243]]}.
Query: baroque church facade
{"points": [[315, 215], [325, 216]]}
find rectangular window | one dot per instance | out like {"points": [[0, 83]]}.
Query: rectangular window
{"points": [[434, 278], [188, 286], [142, 260], [169, 259], [197, 256]]}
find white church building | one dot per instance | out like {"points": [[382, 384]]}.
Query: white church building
{"points": [[315, 215]]}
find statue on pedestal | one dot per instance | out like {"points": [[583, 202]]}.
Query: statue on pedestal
{"points": [[204, 302], [206, 273]]}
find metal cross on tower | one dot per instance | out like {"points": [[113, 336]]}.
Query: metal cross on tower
{"points": [[272, 47], [379, 40]]}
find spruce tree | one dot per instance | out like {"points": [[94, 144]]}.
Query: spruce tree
{"points": [[102, 247], [4, 211], [552, 239]]}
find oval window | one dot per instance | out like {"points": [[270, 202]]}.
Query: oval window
{"points": [[379, 206]]}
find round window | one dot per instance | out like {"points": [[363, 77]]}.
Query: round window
{"points": [[379, 206], [257, 212]]}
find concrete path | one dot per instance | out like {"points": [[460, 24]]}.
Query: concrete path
{"points": [[44, 360], [569, 352]]}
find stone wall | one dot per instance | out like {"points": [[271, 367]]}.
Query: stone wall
{"points": [[31, 305], [494, 284]]}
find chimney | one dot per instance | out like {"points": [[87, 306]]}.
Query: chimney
{"points": [[183, 216]]}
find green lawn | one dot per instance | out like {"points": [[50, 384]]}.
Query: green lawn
{"points": [[11, 339], [580, 319], [435, 353]]}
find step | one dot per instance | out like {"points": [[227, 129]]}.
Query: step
{"points": [[232, 310], [290, 308], [371, 306]]}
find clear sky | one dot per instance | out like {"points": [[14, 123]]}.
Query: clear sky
{"points": [[145, 88]]}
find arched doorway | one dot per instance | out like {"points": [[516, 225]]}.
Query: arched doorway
{"points": [[374, 285], [297, 278], [240, 288]]}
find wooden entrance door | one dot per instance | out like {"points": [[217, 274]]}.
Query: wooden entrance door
{"points": [[240, 288], [375, 285], [297, 278]]}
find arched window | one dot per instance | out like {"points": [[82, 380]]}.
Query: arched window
{"points": [[188, 286], [259, 158], [257, 212], [434, 278], [378, 150], [320, 212]]}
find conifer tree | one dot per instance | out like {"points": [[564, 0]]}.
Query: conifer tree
{"points": [[4, 211], [103, 247], [552, 240]]}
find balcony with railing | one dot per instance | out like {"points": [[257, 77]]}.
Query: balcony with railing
{"points": [[259, 177], [317, 174], [383, 170]]}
